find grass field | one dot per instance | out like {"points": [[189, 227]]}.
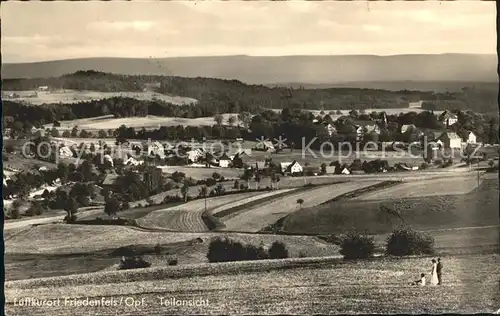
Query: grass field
{"points": [[424, 188], [148, 122], [470, 284], [476, 208], [259, 217], [187, 217], [75, 96]]}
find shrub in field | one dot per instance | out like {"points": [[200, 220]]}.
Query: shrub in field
{"points": [[125, 205], [404, 242], [357, 246], [172, 261], [135, 262], [278, 251], [14, 213], [224, 250]]}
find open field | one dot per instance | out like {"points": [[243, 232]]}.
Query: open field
{"points": [[203, 173], [259, 217], [476, 208], [75, 96], [423, 188], [372, 286], [148, 122], [187, 217]]}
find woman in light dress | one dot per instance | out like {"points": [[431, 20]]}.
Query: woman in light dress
{"points": [[434, 277]]}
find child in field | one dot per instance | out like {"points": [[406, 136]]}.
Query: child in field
{"points": [[420, 282]]}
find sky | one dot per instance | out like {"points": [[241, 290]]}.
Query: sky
{"points": [[39, 31]]}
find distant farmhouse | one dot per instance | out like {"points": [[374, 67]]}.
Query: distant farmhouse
{"points": [[448, 118], [415, 105]]}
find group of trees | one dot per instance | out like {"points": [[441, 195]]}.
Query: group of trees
{"points": [[225, 250], [401, 242]]}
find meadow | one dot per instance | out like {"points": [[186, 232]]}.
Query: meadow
{"points": [[75, 96], [476, 208], [321, 286], [148, 122], [259, 217]]}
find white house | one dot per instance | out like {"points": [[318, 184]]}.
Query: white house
{"points": [[471, 138], [284, 166], [65, 152], [345, 171], [448, 118], [294, 167], [415, 105], [224, 161], [195, 155], [43, 88], [156, 148], [450, 140]]}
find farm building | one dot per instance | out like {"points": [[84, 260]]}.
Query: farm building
{"points": [[224, 161], [293, 168]]}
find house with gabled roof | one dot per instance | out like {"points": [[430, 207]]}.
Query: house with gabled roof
{"points": [[448, 118], [265, 145], [224, 160], [292, 168]]}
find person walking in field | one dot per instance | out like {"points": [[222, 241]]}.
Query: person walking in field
{"points": [[434, 277], [439, 270]]}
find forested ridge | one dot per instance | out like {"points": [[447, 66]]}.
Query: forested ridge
{"points": [[222, 96]]}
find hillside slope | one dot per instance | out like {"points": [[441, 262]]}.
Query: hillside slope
{"points": [[269, 70]]}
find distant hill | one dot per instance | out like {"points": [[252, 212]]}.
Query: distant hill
{"points": [[438, 86], [329, 70]]}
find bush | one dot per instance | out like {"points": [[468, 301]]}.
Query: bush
{"points": [[125, 206], [14, 213], [405, 242], [357, 246], [172, 261], [278, 251], [134, 263], [225, 250]]}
